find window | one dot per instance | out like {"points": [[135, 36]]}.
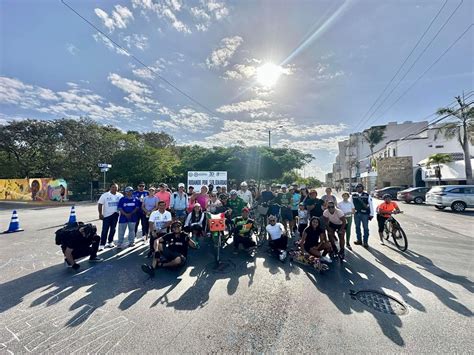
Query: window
{"points": [[459, 190], [439, 146]]}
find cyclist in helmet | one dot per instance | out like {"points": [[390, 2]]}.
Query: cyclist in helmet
{"points": [[236, 204], [384, 210]]}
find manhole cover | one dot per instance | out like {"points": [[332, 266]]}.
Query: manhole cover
{"points": [[380, 302], [223, 267]]}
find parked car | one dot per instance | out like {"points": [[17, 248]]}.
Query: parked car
{"points": [[391, 190], [458, 197], [413, 194]]}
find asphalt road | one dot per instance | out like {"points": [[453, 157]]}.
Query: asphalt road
{"points": [[253, 305]]}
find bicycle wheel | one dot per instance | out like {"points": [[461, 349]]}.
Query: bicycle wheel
{"points": [[400, 238]]}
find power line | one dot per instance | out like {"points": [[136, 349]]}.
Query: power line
{"points": [[189, 97], [426, 71], [416, 60], [403, 63]]}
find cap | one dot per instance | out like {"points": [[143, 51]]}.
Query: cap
{"points": [[243, 183], [142, 183], [359, 185], [162, 184], [180, 184], [283, 186], [233, 192], [245, 209], [387, 196], [128, 189], [197, 204]]}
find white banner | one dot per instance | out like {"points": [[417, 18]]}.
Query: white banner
{"points": [[200, 178]]}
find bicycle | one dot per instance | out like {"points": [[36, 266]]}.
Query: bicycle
{"points": [[261, 223], [393, 228]]}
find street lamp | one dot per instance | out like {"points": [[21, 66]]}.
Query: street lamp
{"points": [[270, 135]]}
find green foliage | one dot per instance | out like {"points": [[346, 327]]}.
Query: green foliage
{"points": [[439, 158], [374, 135], [71, 149], [291, 177]]}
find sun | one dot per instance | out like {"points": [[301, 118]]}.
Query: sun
{"points": [[268, 74]]}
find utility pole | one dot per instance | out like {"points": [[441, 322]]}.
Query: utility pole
{"points": [[269, 139]]}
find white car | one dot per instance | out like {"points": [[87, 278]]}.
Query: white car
{"points": [[457, 197]]}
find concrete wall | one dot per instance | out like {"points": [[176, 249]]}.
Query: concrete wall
{"points": [[394, 171]]}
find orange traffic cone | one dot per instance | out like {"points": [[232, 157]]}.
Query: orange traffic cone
{"points": [[14, 224]]}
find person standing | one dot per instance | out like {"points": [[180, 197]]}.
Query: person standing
{"points": [[202, 198], [329, 197], [285, 200], [140, 194], [314, 205], [179, 203], [347, 206], [128, 207], [108, 213], [150, 204], [294, 207], [164, 195], [364, 212], [245, 194]]}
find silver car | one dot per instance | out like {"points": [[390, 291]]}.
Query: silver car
{"points": [[458, 197]]}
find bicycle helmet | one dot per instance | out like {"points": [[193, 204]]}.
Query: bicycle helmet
{"points": [[233, 192], [387, 196]]}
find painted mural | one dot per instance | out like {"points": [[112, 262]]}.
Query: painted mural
{"points": [[34, 189]]}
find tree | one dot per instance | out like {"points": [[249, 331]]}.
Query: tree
{"points": [[437, 159], [462, 128], [373, 136]]}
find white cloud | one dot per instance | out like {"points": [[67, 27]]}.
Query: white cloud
{"points": [[244, 106], [137, 41], [217, 8], [166, 9], [186, 119], [220, 56], [100, 38], [328, 144], [119, 18], [72, 49], [322, 72], [240, 72], [137, 92], [74, 102]]}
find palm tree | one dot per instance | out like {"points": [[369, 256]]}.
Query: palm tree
{"points": [[462, 128], [437, 159], [373, 136]]}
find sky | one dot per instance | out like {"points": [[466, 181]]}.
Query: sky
{"points": [[308, 71]]}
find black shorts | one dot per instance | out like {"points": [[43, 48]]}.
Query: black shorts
{"points": [[168, 255], [286, 214], [295, 213], [335, 227], [381, 222], [302, 227], [280, 243]]}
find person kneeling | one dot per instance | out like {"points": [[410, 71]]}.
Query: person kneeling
{"points": [[243, 229], [314, 240], [80, 242], [278, 237], [172, 250]]}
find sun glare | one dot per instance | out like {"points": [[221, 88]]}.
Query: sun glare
{"points": [[268, 74]]}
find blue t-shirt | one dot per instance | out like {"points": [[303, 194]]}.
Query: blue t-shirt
{"points": [[295, 201], [128, 205], [140, 194]]}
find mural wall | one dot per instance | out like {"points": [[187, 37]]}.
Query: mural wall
{"points": [[35, 189]]}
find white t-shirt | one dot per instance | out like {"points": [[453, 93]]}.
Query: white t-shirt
{"points": [[246, 196], [160, 220], [346, 207], [334, 217], [109, 203], [275, 231], [302, 217]]}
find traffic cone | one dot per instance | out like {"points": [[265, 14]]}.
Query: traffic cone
{"points": [[14, 224], [72, 216]]}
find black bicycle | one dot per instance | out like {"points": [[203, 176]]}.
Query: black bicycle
{"points": [[393, 229]]}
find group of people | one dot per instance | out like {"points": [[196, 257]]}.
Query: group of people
{"points": [[173, 221]]}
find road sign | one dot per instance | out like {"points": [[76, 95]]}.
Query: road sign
{"points": [[104, 170], [104, 165]]}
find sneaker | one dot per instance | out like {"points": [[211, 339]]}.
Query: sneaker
{"points": [[132, 244], [120, 246], [95, 260], [110, 245], [348, 246], [101, 247], [140, 239], [282, 255], [326, 259], [358, 242], [382, 242], [66, 263], [366, 245], [147, 269]]}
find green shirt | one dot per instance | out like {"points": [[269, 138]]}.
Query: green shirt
{"points": [[243, 226], [236, 206], [285, 199]]}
